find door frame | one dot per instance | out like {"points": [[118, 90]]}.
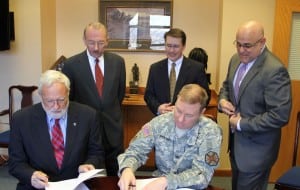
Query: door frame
{"points": [[281, 47]]}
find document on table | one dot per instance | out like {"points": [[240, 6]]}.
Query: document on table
{"points": [[75, 183], [141, 183]]}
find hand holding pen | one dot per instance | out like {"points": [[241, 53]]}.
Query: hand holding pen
{"points": [[127, 180]]}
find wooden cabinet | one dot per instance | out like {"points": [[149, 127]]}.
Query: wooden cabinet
{"points": [[136, 114]]}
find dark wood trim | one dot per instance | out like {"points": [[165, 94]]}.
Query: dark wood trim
{"points": [[223, 173]]}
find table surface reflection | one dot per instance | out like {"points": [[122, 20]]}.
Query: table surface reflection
{"points": [[111, 183]]}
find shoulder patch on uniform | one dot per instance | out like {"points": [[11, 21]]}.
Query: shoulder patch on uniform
{"points": [[146, 131], [212, 158]]}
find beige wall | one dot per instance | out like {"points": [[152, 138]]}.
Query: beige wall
{"points": [[202, 30], [22, 63], [208, 24]]}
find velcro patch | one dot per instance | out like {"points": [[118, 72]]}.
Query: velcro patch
{"points": [[212, 158], [146, 131]]}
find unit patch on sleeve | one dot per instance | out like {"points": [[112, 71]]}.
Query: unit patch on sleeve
{"points": [[212, 158]]}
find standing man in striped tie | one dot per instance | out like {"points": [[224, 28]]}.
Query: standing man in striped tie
{"points": [[167, 77], [53, 140], [98, 79], [256, 95]]}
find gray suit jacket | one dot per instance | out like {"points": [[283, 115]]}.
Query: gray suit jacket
{"points": [[264, 104], [84, 90]]}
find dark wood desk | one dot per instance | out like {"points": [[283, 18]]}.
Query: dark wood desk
{"points": [[136, 114], [103, 183], [111, 183]]}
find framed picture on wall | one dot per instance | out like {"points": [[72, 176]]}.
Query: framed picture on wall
{"points": [[136, 25]]}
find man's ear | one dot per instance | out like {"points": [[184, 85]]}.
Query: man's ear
{"points": [[203, 110]]}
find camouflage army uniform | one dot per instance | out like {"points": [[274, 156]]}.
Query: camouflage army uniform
{"points": [[188, 161]]}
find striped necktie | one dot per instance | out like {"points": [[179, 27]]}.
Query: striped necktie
{"points": [[58, 143]]}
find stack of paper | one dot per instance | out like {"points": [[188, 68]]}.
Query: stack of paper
{"points": [[76, 183]]}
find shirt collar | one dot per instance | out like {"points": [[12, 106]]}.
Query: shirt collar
{"points": [[178, 61], [92, 59]]}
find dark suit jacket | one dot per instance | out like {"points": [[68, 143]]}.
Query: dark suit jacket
{"points": [[30, 147], [84, 90], [264, 104], [158, 86]]}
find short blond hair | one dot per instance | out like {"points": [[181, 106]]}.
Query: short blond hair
{"points": [[193, 94]]}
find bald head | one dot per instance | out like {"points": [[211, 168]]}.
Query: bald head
{"points": [[250, 41], [251, 29]]}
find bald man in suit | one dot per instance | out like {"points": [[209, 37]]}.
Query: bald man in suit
{"points": [[258, 107]]}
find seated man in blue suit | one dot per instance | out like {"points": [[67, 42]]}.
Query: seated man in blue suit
{"points": [[55, 139]]}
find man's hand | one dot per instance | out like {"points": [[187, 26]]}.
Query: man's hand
{"points": [[164, 108], [227, 107], [85, 167], [160, 183], [233, 120], [39, 180], [127, 180]]}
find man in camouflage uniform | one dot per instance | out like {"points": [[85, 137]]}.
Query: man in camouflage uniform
{"points": [[186, 146]]}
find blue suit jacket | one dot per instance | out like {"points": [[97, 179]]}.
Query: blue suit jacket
{"points": [[30, 147], [158, 86], [264, 104]]}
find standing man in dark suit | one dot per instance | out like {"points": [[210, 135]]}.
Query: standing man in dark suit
{"points": [[161, 93], [82, 72], [33, 157], [258, 103]]}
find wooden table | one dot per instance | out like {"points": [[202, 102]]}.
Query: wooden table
{"points": [[111, 183]]}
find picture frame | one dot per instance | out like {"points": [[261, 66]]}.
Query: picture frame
{"points": [[136, 25]]}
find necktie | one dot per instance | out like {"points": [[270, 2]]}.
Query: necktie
{"points": [[172, 81], [239, 78], [58, 143], [99, 77]]}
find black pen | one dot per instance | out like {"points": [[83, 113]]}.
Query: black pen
{"points": [[131, 186]]}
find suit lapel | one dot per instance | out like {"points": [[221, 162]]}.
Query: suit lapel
{"points": [[85, 69], [235, 62], [163, 75], [252, 73], [71, 134], [182, 76], [108, 78]]}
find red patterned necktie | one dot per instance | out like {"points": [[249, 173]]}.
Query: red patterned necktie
{"points": [[99, 77], [58, 143]]}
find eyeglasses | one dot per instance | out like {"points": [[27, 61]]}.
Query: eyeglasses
{"points": [[94, 43], [246, 45], [51, 103]]}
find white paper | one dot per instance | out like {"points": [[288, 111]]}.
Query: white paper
{"points": [[141, 183], [76, 183]]}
